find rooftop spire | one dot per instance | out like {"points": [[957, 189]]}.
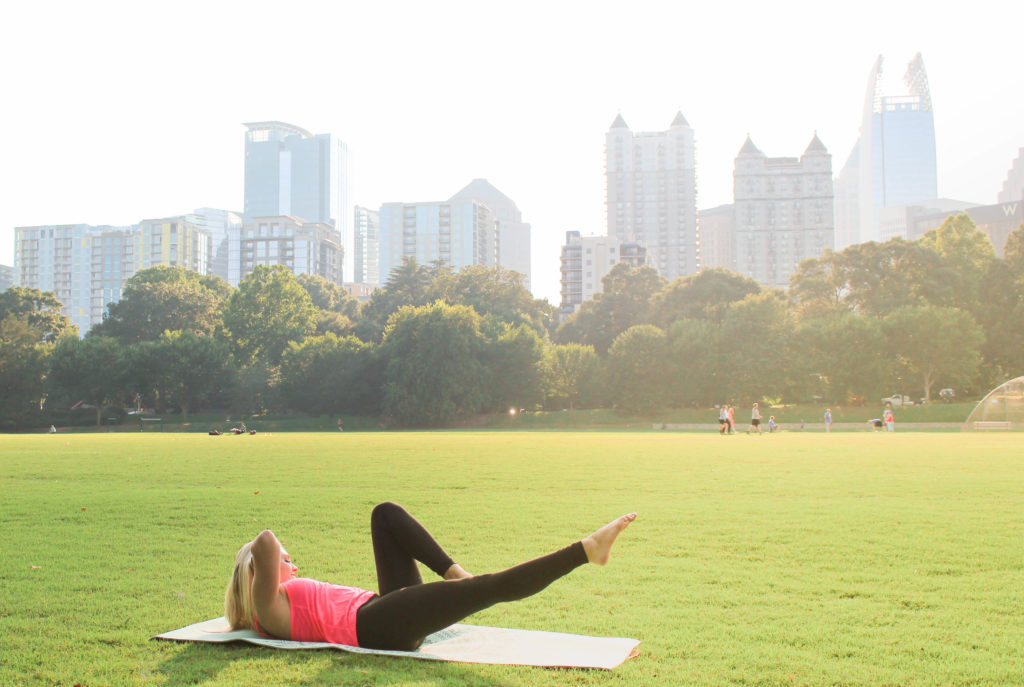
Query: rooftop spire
{"points": [[680, 120], [749, 148], [619, 122]]}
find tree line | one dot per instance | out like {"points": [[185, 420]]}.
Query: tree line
{"points": [[433, 346]]}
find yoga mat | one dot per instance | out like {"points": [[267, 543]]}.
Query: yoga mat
{"points": [[462, 643]]}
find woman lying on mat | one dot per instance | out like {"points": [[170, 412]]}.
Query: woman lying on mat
{"points": [[265, 595]]}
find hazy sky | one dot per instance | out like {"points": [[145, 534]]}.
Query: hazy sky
{"points": [[115, 112]]}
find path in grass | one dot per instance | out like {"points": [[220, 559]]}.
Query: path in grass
{"points": [[787, 559]]}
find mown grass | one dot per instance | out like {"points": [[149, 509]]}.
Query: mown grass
{"points": [[792, 559]]}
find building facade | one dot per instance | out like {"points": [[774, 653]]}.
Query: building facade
{"points": [[290, 172], [172, 241], [366, 244], [783, 211], [585, 262], [513, 233], [1013, 187], [651, 193], [58, 258], [457, 234], [893, 162], [718, 237], [303, 247], [219, 225], [6, 277]]}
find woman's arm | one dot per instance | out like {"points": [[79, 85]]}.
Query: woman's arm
{"points": [[269, 599]]}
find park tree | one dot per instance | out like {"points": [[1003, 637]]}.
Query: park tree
{"points": [[512, 357], [22, 370], [92, 370], [269, 310], [572, 374], [408, 284], [757, 346], [967, 254], [639, 369], [935, 344], [337, 309], [704, 295], [623, 302], [495, 291], [819, 287], [197, 369], [39, 310], [698, 364], [433, 372], [165, 298], [846, 352], [872, 279], [333, 375]]}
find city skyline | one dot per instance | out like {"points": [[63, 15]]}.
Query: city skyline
{"points": [[108, 126]]}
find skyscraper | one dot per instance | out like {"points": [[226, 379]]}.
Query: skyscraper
{"points": [[893, 163], [783, 211], [367, 246], [457, 234], [291, 172], [651, 182], [513, 233]]}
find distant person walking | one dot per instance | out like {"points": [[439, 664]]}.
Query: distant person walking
{"points": [[732, 419], [340, 428], [723, 419], [755, 420], [887, 417], [828, 419], [772, 427]]}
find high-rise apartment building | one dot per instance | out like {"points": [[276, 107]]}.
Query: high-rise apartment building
{"points": [[290, 172], [893, 163], [58, 258], [303, 247], [457, 234], [366, 243], [112, 263], [1013, 187], [783, 211], [651, 182], [513, 233], [173, 241], [585, 262]]}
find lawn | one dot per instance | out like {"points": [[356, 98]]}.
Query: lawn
{"points": [[790, 559]]}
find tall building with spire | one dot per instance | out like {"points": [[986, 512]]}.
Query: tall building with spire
{"points": [[893, 163], [651, 182], [783, 211]]}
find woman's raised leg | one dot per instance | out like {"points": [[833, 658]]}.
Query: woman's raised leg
{"points": [[403, 618], [399, 540]]}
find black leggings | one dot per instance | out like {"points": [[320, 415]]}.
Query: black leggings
{"points": [[407, 610]]}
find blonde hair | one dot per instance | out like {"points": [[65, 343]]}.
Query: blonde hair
{"points": [[238, 606]]}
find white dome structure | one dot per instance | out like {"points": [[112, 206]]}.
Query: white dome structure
{"points": [[1001, 409]]}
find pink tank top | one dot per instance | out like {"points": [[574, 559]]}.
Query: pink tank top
{"points": [[323, 612]]}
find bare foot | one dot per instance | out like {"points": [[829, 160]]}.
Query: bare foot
{"points": [[599, 545], [456, 572]]}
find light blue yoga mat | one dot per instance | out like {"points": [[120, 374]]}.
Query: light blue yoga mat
{"points": [[462, 643]]}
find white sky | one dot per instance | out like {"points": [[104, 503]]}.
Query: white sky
{"points": [[115, 112]]}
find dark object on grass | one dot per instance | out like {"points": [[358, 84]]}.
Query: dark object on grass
{"points": [[214, 432]]}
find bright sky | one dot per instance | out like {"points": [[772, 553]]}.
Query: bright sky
{"points": [[121, 111]]}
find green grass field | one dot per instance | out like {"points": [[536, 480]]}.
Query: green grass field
{"points": [[791, 559]]}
